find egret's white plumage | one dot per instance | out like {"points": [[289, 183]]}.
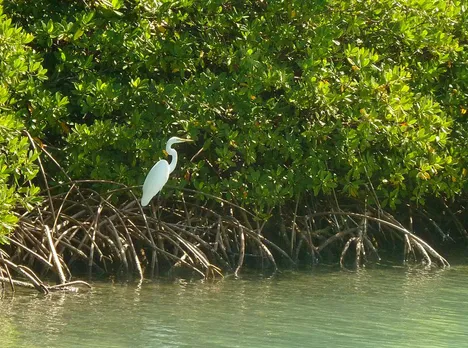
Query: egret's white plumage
{"points": [[155, 180], [159, 174]]}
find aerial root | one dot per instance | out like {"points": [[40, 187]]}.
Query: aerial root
{"points": [[34, 281], [359, 251], [207, 237], [327, 229], [213, 271], [241, 253], [81, 227]]}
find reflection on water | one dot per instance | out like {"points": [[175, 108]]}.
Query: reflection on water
{"points": [[391, 307]]}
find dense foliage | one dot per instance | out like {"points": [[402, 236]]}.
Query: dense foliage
{"points": [[20, 75], [285, 97]]}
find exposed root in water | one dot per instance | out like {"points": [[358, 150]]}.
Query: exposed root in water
{"points": [[79, 229], [34, 281], [190, 233], [344, 229]]}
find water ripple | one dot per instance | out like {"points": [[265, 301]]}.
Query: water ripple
{"points": [[381, 307]]}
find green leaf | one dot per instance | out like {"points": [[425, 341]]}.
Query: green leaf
{"points": [[78, 34]]}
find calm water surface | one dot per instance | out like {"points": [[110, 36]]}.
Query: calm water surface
{"points": [[390, 307]]}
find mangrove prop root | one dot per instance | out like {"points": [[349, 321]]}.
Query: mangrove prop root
{"points": [[34, 281], [7, 271], [27, 273], [241, 252], [55, 257], [355, 227], [185, 231]]}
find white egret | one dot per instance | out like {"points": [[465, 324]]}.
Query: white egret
{"points": [[159, 174]]}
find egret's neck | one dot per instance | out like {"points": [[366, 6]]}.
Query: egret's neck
{"points": [[170, 151]]}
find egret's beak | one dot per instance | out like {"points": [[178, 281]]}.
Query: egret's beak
{"points": [[182, 140]]}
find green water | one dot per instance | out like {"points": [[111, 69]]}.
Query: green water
{"points": [[389, 307]]}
